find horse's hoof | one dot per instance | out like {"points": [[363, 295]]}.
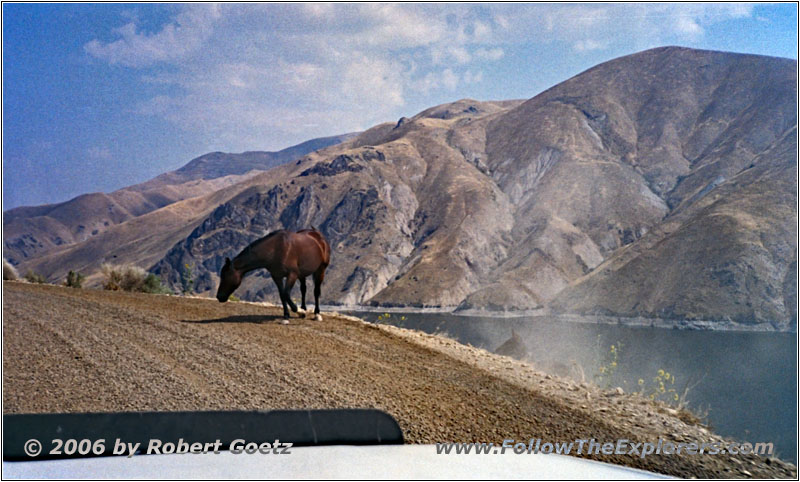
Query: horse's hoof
{"points": [[317, 317], [284, 321], [301, 313]]}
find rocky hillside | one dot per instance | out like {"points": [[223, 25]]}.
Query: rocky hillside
{"points": [[661, 184], [393, 203], [694, 145], [31, 232]]}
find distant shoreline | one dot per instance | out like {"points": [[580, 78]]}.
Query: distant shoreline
{"points": [[638, 321]]}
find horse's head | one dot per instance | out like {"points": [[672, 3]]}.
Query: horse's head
{"points": [[229, 279]]}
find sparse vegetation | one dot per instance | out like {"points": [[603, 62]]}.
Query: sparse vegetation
{"points": [[661, 387], [606, 371], [74, 280], [131, 278], [233, 298], [9, 271], [187, 279], [153, 284], [32, 277], [386, 316], [121, 277]]}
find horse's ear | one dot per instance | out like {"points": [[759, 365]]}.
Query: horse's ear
{"points": [[227, 261]]}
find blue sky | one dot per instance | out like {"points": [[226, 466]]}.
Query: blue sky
{"points": [[100, 96]]}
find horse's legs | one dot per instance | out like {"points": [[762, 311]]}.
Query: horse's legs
{"points": [[290, 280], [303, 293], [319, 276], [279, 282]]}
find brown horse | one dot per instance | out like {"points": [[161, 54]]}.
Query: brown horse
{"points": [[285, 254]]}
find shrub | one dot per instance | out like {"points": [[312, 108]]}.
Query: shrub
{"points": [[9, 271], [113, 277], [126, 277], [74, 280], [35, 277], [153, 284], [187, 279], [131, 278]]}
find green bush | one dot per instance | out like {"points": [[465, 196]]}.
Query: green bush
{"points": [[32, 277], [74, 280], [187, 279], [153, 284]]}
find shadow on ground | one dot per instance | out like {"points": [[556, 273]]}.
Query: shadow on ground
{"points": [[258, 319]]}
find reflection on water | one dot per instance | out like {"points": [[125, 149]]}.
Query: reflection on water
{"points": [[747, 381]]}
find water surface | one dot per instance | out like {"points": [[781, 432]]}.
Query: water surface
{"points": [[745, 381]]}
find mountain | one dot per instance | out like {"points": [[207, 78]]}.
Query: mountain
{"points": [[668, 166], [660, 184], [33, 231], [219, 164], [391, 202], [693, 145]]}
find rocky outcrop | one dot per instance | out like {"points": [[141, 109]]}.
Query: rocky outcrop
{"points": [[513, 347], [361, 222]]}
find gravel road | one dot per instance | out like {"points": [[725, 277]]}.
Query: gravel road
{"points": [[70, 350]]}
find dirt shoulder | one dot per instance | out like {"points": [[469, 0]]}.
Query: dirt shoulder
{"points": [[68, 350]]}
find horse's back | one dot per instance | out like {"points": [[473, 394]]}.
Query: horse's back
{"points": [[312, 249]]}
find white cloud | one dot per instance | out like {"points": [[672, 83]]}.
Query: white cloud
{"points": [[248, 70], [397, 26], [502, 21], [473, 77], [687, 25], [242, 73], [449, 79], [174, 41], [589, 44], [612, 26], [427, 83], [450, 55], [320, 10], [495, 53], [373, 81], [460, 55], [481, 31]]}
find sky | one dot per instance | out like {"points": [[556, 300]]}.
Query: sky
{"points": [[101, 96]]}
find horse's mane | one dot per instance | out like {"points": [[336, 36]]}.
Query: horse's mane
{"points": [[257, 241]]}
